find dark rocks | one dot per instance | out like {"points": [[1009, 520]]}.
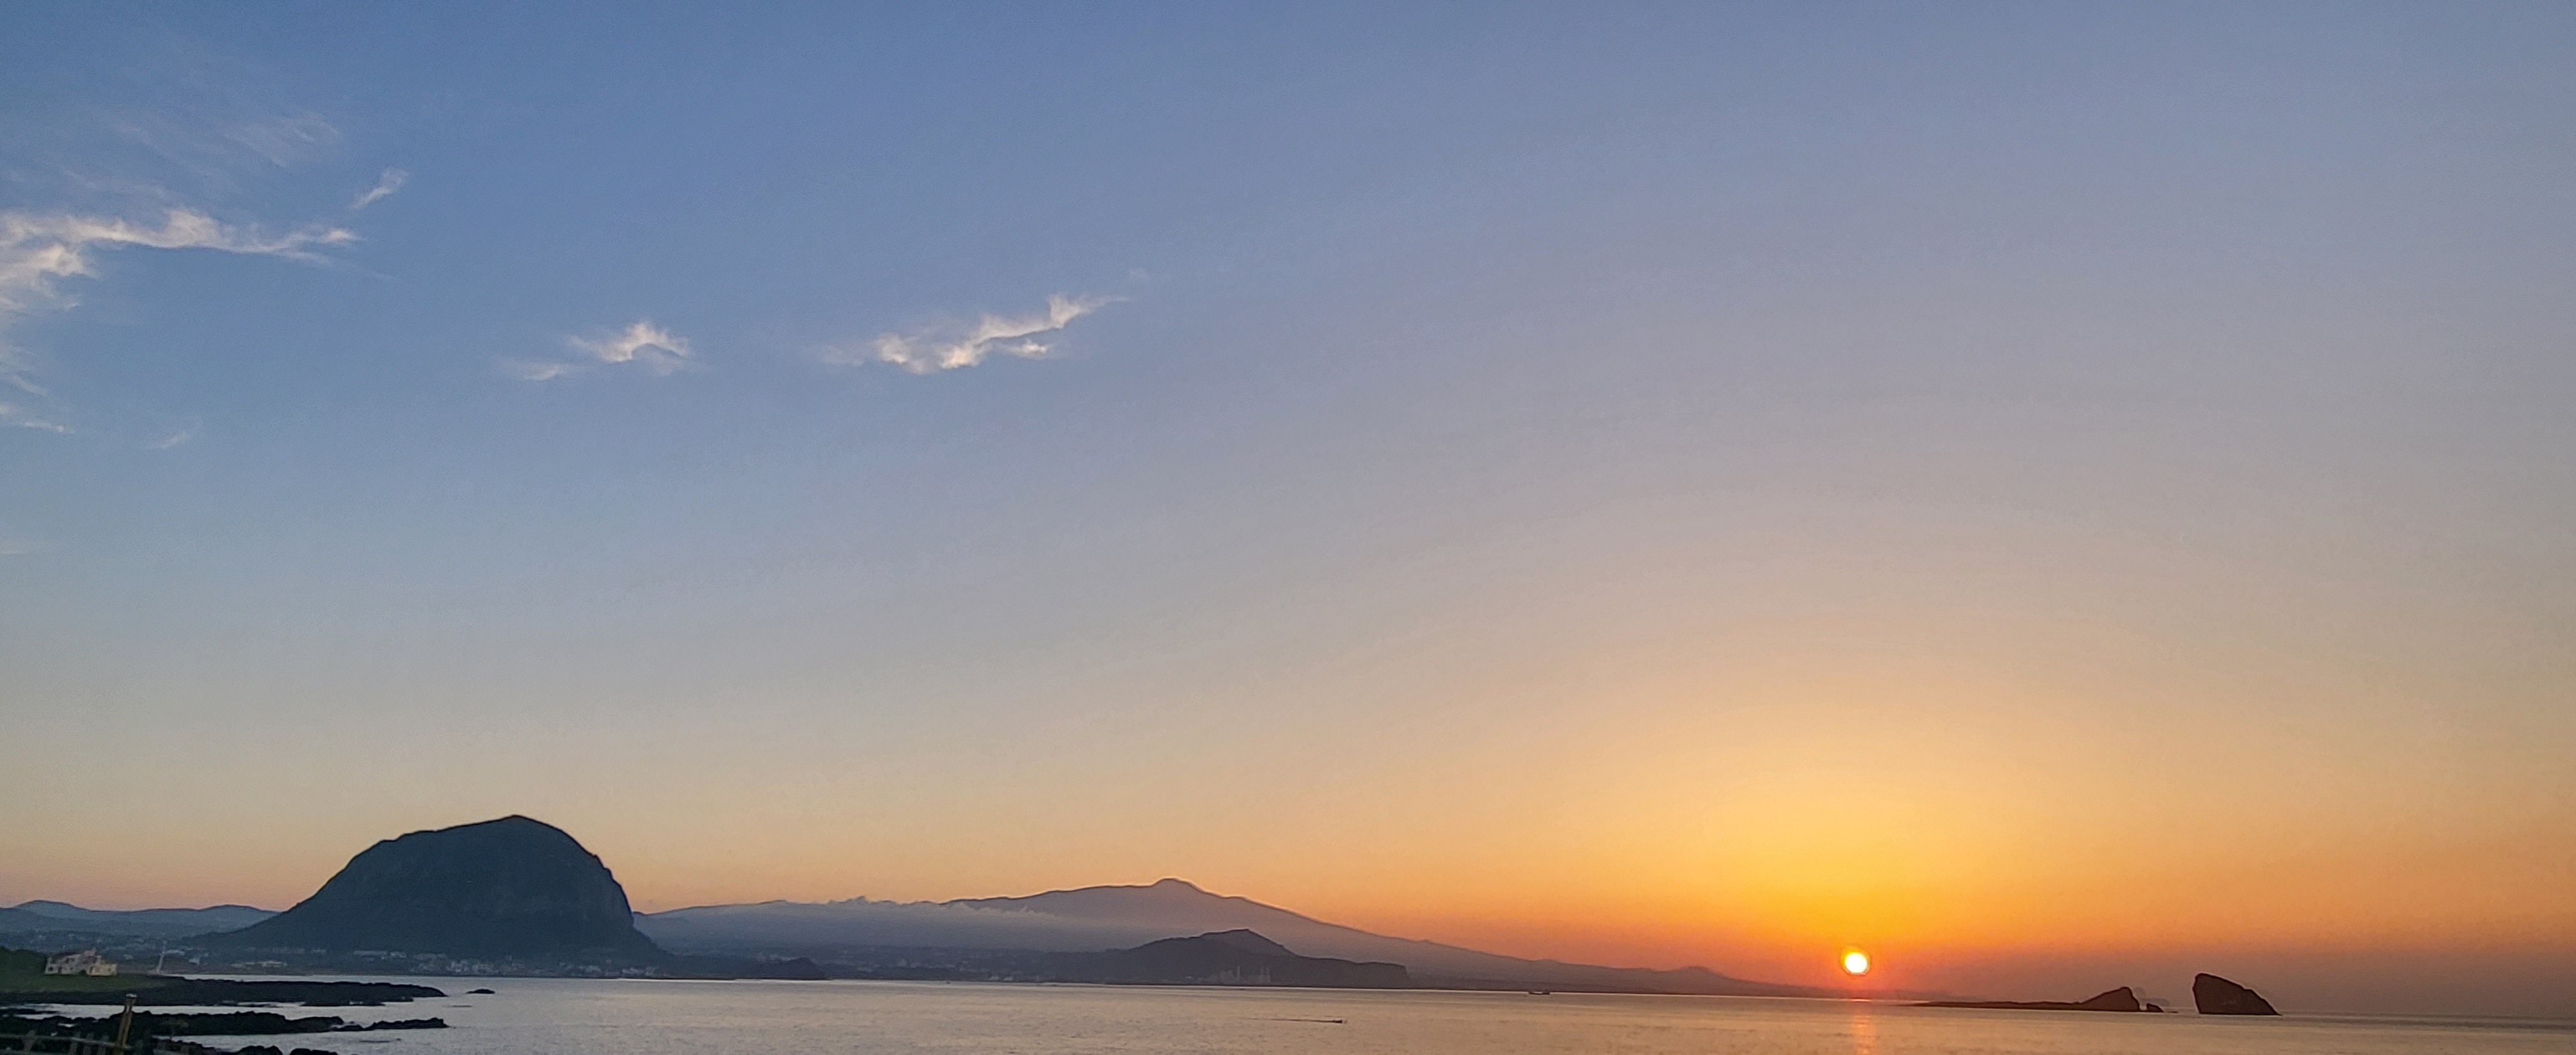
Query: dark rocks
{"points": [[2120, 999], [204, 992], [514, 889], [478, 992], [2214, 995], [203, 1024], [398, 1023]]}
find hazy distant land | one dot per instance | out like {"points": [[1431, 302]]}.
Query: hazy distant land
{"points": [[519, 897], [516, 896]]}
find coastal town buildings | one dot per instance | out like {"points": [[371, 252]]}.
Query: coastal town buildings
{"points": [[86, 961]]}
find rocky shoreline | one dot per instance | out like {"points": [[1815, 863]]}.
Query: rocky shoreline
{"points": [[204, 992], [199, 992]]}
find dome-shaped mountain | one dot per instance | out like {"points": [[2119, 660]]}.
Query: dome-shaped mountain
{"points": [[510, 888]]}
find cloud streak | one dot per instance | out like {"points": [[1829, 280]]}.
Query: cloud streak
{"points": [[35, 249], [386, 185], [173, 438], [285, 141], [937, 349], [40, 250], [17, 417], [641, 343]]}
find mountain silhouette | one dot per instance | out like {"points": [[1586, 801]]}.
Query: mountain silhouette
{"points": [[1248, 941], [513, 888], [1235, 957], [58, 917], [1114, 917]]}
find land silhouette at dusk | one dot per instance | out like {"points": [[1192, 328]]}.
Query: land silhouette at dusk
{"points": [[1331, 504], [517, 896]]}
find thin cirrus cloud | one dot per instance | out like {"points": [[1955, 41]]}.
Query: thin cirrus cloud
{"points": [[174, 437], [641, 344], [931, 350], [386, 185], [935, 349], [40, 250]]}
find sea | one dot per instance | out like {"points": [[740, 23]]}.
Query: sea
{"points": [[559, 1016]]}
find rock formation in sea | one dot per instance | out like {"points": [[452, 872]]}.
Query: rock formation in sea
{"points": [[513, 888], [2214, 995], [2120, 999]]}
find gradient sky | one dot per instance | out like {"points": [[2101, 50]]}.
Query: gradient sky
{"points": [[2058, 495]]}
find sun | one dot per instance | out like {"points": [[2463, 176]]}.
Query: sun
{"points": [[1855, 962]]}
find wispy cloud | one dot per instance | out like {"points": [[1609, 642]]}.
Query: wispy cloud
{"points": [[36, 248], [537, 371], [10, 547], [217, 145], [39, 250], [285, 140], [953, 347], [386, 185], [641, 343], [17, 417], [173, 438]]}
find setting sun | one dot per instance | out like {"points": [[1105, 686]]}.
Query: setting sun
{"points": [[1520, 526]]}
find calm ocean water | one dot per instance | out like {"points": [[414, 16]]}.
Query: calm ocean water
{"points": [[534, 1016]]}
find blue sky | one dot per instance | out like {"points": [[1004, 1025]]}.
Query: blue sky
{"points": [[1446, 398]]}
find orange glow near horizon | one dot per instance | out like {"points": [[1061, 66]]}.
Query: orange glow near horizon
{"points": [[1918, 491], [1976, 833]]}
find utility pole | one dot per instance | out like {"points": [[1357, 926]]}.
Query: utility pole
{"points": [[124, 1024]]}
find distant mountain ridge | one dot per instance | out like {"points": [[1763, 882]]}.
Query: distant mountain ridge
{"points": [[57, 917], [1234, 957], [528, 897], [512, 888], [13, 921], [1111, 917]]}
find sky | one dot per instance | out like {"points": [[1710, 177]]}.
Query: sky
{"points": [[2058, 496]]}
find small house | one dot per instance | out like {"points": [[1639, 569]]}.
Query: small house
{"points": [[86, 961]]}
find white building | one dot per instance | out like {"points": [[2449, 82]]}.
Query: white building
{"points": [[86, 962]]}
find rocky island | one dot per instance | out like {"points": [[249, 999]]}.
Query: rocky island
{"points": [[2120, 999], [2213, 995]]}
